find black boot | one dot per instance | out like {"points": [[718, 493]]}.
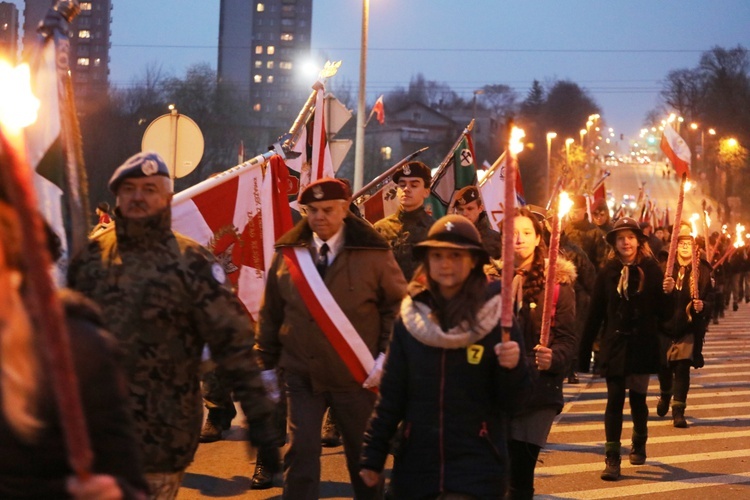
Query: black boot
{"points": [[330, 437], [638, 450], [611, 470], [678, 415], [262, 477], [662, 405]]}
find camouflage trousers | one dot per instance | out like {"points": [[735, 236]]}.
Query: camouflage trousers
{"points": [[164, 485]]}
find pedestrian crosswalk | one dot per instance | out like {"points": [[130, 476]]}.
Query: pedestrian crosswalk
{"points": [[709, 459]]}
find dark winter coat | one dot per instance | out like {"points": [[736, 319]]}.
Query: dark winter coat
{"points": [[451, 394], [490, 237], [682, 336], [39, 470], [590, 238], [630, 342], [402, 230]]}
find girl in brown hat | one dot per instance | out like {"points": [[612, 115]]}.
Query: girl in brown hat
{"points": [[631, 296], [448, 378]]}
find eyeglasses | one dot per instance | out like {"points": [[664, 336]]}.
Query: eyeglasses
{"points": [[685, 244]]}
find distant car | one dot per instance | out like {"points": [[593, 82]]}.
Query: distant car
{"points": [[611, 161], [629, 201]]}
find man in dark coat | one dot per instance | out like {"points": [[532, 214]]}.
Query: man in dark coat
{"points": [[410, 224], [468, 202], [584, 233]]}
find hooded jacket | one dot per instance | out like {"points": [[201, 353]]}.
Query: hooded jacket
{"points": [[365, 281], [450, 393]]}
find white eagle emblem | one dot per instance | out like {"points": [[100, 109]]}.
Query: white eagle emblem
{"points": [[317, 192], [149, 167]]}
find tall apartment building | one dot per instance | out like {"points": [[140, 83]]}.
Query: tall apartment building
{"points": [[261, 42], [8, 32], [90, 35]]}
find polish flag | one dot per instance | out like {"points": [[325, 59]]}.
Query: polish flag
{"points": [[379, 110], [238, 215], [676, 150], [381, 204]]}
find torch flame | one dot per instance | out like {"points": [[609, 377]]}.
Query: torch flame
{"points": [[688, 186], [564, 204], [708, 218], [18, 106], [516, 145], [739, 241], [693, 222]]}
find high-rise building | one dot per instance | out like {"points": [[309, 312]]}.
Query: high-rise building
{"points": [[8, 32], [90, 35], [260, 44]]}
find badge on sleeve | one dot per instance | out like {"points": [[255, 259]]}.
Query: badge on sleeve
{"points": [[218, 273], [474, 354]]}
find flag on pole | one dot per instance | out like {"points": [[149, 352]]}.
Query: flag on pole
{"points": [[321, 165], [378, 109], [381, 204], [458, 171], [676, 150], [238, 215], [492, 190]]}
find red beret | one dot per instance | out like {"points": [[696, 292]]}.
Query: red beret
{"points": [[325, 189]]}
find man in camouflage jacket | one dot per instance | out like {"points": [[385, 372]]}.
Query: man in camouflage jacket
{"points": [[164, 297], [410, 224]]}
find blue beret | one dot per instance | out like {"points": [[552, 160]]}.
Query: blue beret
{"points": [[144, 164]]}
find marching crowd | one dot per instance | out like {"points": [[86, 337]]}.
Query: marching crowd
{"points": [[395, 330]]}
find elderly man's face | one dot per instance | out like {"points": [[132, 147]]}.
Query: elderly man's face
{"points": [[325, 218], [143, 196]]}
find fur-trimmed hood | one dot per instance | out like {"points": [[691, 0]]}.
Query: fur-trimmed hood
{"points": [[565, 273], [357, 234]]}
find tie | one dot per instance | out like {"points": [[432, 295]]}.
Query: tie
{"points": [[322, 262]]}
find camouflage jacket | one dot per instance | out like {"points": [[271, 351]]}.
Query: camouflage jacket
{"points": [[403, 230], [163, 297]]}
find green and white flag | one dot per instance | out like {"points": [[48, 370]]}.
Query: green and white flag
{"points": [[457, 171]]}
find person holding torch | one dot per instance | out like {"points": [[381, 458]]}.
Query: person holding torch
{"points": [[631, 296], [548, 359], [683, 334]]}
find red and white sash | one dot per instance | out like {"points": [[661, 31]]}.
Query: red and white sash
{"points": [[328, 314]]}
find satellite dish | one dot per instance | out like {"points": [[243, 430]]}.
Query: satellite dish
{"points": [[178, 140]]}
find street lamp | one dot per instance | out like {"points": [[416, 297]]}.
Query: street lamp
{"points": [[359, 147], [550, 136]]}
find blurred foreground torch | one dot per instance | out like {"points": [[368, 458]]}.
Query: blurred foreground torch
{"points": [[515, 146], [18, 109], [684, 187], [564, 204]]}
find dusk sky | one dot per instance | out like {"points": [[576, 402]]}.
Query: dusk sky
{"points": [[618, 50]]}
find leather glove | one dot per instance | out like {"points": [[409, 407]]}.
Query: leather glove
{"points": [[271, 385], [373, 379]]}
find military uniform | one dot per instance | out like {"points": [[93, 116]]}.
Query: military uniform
{"points": [[490, 237], [164, 297], [403, 230]]}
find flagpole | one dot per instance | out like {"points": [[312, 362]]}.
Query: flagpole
{"points": [[669, 269], [377, 180]]}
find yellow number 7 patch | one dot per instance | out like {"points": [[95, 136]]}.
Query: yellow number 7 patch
{"points": [[474, 353]]}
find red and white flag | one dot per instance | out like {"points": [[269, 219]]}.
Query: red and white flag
{"points": [[492, 191], [381, 204], [378, 109], [238, 215], [676, 150]]}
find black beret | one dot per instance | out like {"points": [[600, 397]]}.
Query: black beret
{"points": [[414, 169], [467, 195]]}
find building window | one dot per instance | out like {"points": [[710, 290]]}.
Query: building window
{"points": [[287, 23], [84, 34], [97, 62], [256, 106], [85, 5], [285, 65], [258, 64], [287, 37], [270, 50], [269, 79], [83, 61], [269, 65], [258, 49], [260, 7], [257, 78]]}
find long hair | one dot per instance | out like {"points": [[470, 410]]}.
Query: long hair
{"points": [[20, 372], [533, 284], [465, 305], [644, 251]]}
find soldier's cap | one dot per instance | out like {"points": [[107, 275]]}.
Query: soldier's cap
{"points": [[143, 164], [622, 224], [539, 212], [414, 169], [685, 232], [467, 195], [452, 231], [325, 189], [579, 201]]}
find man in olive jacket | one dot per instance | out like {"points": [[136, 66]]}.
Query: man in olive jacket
{"points": [[164, 297], [361, 279]]}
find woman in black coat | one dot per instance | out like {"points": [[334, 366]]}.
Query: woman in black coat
{"points": [[448, 379], [631, 296], [682, 336]]}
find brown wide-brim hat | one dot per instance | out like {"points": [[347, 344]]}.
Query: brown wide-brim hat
{"points": [[452, 231], [622, 224]]}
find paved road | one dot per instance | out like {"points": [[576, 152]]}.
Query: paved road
{"points": [[710, 459]]}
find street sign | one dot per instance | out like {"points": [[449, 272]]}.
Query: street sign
{"points": [[178, 140]]}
